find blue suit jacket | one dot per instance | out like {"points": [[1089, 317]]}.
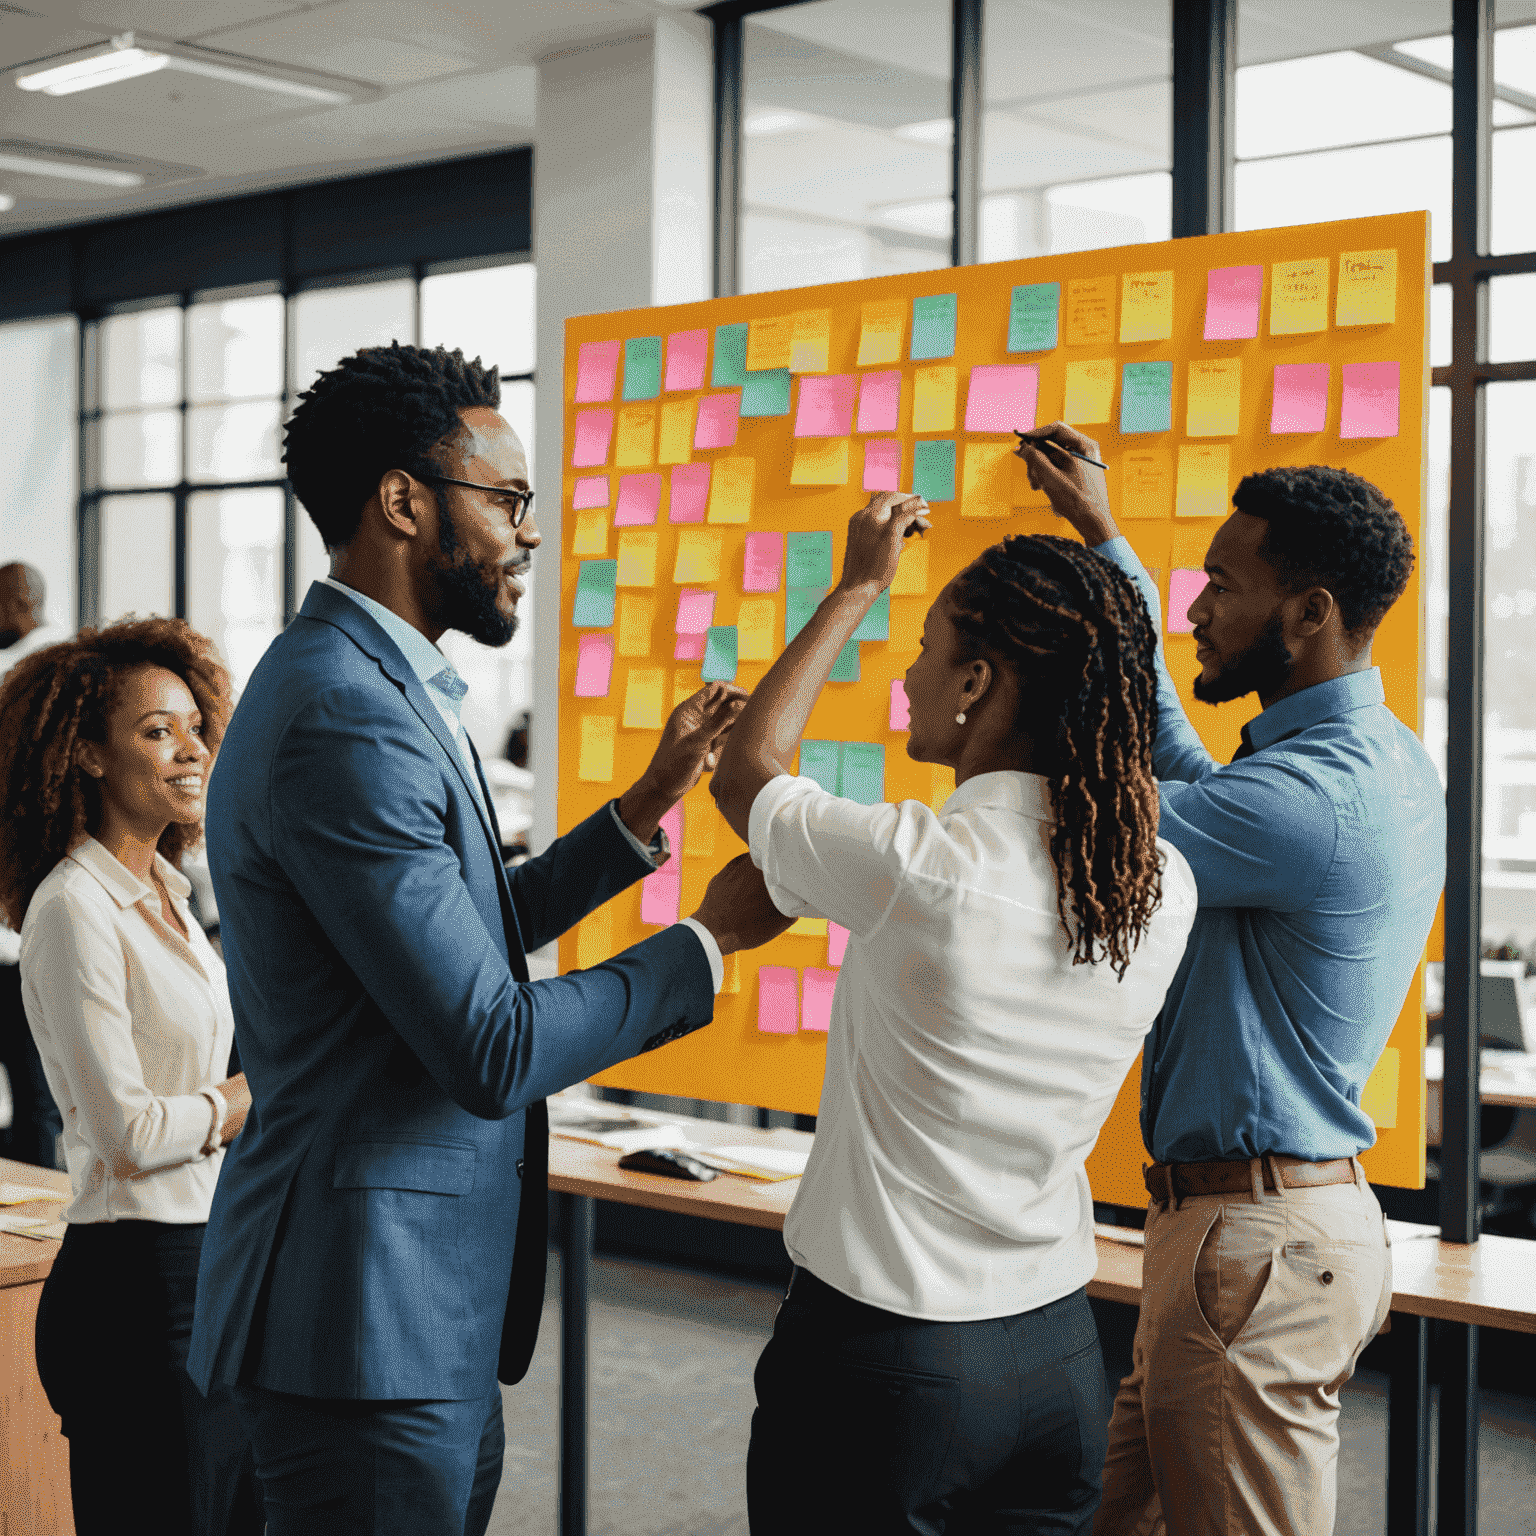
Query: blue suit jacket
{"points": [[361, 1241]]}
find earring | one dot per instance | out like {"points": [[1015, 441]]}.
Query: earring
{"points": [[960, 718]]}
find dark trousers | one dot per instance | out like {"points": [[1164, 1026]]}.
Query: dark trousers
{"points": [[36, 1123], [339, 1467], [875, 1423], [145, 1446]]}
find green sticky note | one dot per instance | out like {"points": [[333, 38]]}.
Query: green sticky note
{"points": [[876, 624], [642, 368], [818, 760], [719, 654], [799, 604], [730, 356], [595, 584], [933, 470], [861, 775], [808, 560], [933, 326], [846, 668], [1032, 317], [766, 393], [1146, 397]]}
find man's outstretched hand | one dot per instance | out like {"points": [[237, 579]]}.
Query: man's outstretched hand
{"points": [[689, 747], [1078, 491], [736, 908]]}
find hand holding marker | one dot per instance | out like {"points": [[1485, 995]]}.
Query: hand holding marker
{"points": [[1050, 442]]}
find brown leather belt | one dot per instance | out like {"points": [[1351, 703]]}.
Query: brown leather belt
{"points": [[1169, 1181]]}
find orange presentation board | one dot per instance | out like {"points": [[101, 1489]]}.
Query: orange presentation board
{"points": [[714, 452]]}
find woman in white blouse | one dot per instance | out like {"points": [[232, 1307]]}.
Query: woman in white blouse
{"points": [[105, 744], [935, 1366]]}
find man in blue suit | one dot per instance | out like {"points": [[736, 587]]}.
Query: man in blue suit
{"points": [[375, 1255]]}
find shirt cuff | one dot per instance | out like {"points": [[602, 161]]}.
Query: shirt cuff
{"points": [[220, 1108], [711, 952], [660, 848]]}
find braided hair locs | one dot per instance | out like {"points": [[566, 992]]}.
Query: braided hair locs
{"points": [[1074, 630]]}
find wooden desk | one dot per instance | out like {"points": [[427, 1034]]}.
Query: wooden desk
{"points": [[34, 1455]]}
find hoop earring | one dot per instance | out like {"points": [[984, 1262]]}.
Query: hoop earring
{"points": [[960, 718]]}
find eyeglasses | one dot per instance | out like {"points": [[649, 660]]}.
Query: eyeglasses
{"points": [[521, 500]]}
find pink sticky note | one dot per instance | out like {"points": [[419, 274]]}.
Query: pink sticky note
{"points": [[639, 500], [1002, 399], [593, 431], [689, 648], [690, 492], [901, 715], [1300, 398], [1232, 296], [695, 611], [816, 989], [661, 893], [879, 401], [778, 1007], [594, 666], [764, 560], [1370, 400], [1183, 588], [597, 365], [716, 427], [591, 491], [687, 352], [882, 464], [837, 943], [826, 405]]}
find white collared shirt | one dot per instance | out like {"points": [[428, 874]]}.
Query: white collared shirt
{"points": [[134, 1028], [970, 1064]]}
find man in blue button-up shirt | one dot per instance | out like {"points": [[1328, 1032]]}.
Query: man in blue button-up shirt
{"points": [[1319, 853]]}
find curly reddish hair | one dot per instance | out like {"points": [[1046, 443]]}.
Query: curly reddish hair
{"points": [[62, 695]]}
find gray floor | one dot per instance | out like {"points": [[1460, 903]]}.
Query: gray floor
{"points": [[672, 1359]]}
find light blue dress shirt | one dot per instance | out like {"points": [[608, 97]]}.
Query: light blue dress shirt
{"points": [[1319, 861]]}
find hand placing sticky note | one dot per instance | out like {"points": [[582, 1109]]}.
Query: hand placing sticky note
{"points": [[643, 694], [1032, 314], [1370, 400], [826, 406], [635, 439], [882, 464], [1090, 392], [594, 431], [1215, 393], [810, 340], [879, 402], [1146, 483], [719, 654], [590, 491], [901, 712], [756, 626], [597, 364], [778, 1006], [730, 369], [1090, 311], [695, 611], [1146, 306], [933, 399], [933, 326], [762, 562], [639, 500], [594, 759], [766, 393], [642, 368], [861, 772], [717, 421], [674, 443], [1367, 288], [637, 617], [933, 470], [1002, 398], [1300, 400], [837, 943], [882, 324], [1232, 299], [686, 355], [817, 988], [818, 762], [1146, 397], [808, 560], [820, 461], [595, 582], [698, 557], [637, 558], [1183, 588], [594, 666], [690, 492], [988, 485], [1298, 297], [1204, 470], [730, 490]]}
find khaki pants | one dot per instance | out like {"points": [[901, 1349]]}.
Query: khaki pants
{"points": [[1254, 1310]]}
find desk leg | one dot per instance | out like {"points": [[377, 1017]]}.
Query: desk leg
{"points": [[1456, 1483], [1408, 1428], [575, 1265]]}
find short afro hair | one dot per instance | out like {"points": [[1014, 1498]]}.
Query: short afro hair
{"points": [[1329, 528], [383, 408]]}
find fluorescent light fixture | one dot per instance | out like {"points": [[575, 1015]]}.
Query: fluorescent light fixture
{"points": [[69, 170], [938, 130], [96, 69], [7, 202]]}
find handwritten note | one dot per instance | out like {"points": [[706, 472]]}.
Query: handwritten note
{"points": [[1183, 588], [1232, 299], [933, 470], [637, 617], [637, 558], [826, 405], [595, 580], [642, 368], [594, 758], [675, 438], [635, 440], [730, 371], [643, 693], [1146, 306], [719, 654], [769, 340], [1367, 288], [591, 534], [639, 500], [778, 1005], [594, 431], [597, 366], [730, 490], [1204, 479], [1032, 312], [816, 991], [1146, 397], [901, 711], [1090, 311], [1090, 392], [1215, 393], [1002, 398], [1370, 400], [1146, 482], [808, 559], [810, 340], [717, 421], [687, 353], [690, 491], [799, 604], [933, 404], [933, 326], [764, 558], [594, 666], [766, 394], [1300, 399], [882, 324], [987, 489], [879, 402], [756, 625], [882, 464], [698, 557], [1298, 297], [820, 461]]}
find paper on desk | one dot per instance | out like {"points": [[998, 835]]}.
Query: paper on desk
{"points": [[1132, 1235], [17, 1194], [631, 1138], [758, 1162]]}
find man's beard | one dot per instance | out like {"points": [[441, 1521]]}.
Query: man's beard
{"points": [[1264, 668], [467, 591]]}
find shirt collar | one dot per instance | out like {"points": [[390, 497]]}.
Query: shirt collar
{"points": [[425, 660], [1028, 794], [1311, 706], [119, 882]]}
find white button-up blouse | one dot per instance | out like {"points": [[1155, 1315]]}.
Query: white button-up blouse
{"points": [[134, 1027]]}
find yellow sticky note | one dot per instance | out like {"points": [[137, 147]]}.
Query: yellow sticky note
{"points": [[911, 578], [1146, 482], [769, 342], [643, 710], [698, 556], [1204, 469], [591, 535], [987, 489], [637, 557], [594, 939], [594, 763], [686, 681], [1146, 306], [1090, 311], [676, 445], [907, 615], [635, 437], [1215, 392], [1298, 297], [1090, 392], [810, 340], [941, 785], [730, 491], [933, 399], [808, 927], [637, 612], [1367, 288], [700, 819], [882, 323], [757, 623], [1378, 1098], [732, 981], [820, 461]]}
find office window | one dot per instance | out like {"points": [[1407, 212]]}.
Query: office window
{"points": [[138, 556], [331, 323], [845, 141], [234, 563]]}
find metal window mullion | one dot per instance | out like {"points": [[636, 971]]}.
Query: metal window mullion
{"points": [[728, 30], [966, 98], [1204, 115]]}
